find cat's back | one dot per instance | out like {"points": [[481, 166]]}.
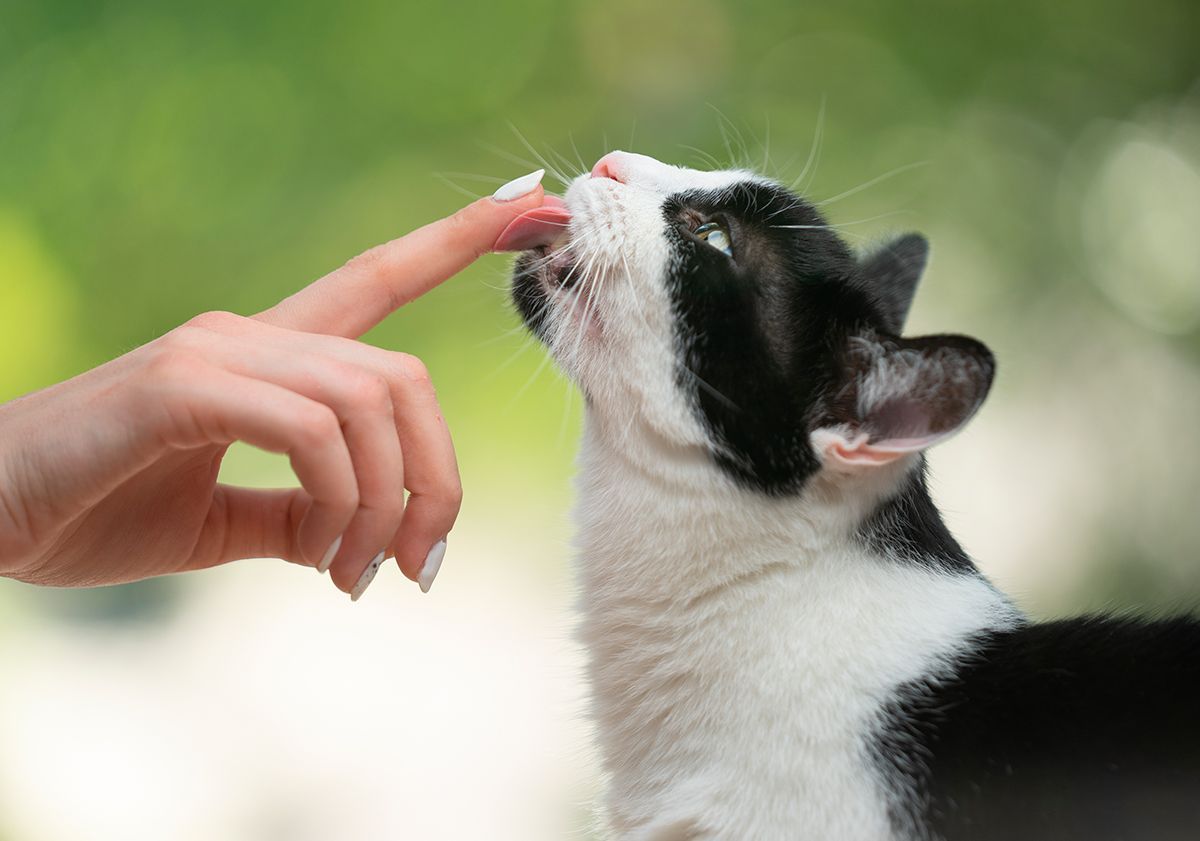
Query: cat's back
{"points": [[1076, 729]]}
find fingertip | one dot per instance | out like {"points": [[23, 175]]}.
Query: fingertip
{"points": [[476, 227], [506, 210]]}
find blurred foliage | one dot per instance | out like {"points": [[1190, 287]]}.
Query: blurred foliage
{"points": [[158, 160]]}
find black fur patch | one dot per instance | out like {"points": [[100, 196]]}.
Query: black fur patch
{"points": [[760, 331], [1077, 729], [909, 526], [529, 293]]}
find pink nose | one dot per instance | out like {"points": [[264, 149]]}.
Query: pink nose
{"points": [[606, 167]]}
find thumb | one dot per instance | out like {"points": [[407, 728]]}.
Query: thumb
{"points": [[250, 523]]}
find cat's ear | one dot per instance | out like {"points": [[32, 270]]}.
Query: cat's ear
{"points": [[890, 277], [900, 396]]}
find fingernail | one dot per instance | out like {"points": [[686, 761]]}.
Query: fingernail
{"points": [[368, 575], [433, 562], [327, 559], [518, 187]]}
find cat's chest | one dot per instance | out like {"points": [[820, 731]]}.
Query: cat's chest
{"points": [[775, 675]]}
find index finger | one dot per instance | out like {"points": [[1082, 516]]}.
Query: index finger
{"points": [[350, 301]]}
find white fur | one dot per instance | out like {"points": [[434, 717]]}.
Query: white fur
{"points": [[741, 647]]}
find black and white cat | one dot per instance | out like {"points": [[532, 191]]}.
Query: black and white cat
{"points": [[785, 641]]}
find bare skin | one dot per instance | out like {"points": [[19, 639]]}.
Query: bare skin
{"points": [[111, 476]]}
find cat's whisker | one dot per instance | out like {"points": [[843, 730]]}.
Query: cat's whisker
{"points": [[512, 357], [710, 161], [571, 393], [737, 160], [784, 209], [550, 168], [839, 225], [500, 337], [633, 297], [867, 184], [565, 323], [508, 156], [521, 349], [586, 289], [593, 281], [492, 286], [700, 381], [472, 176], [686, 368], [567, 165], [574, 148], [729, 153], [757, 140], [814, 152], [766, 162], [530, 381], [547, 259], [456, 187]]}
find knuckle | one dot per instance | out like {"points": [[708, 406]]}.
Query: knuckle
{"points": [[451, 493], [462, 229], [368, 262], [186, 338], [172, 362], [460, 221], [214, 320], [369, 392], [316, 426], [377, 265], [413, 370], [456, 497]]}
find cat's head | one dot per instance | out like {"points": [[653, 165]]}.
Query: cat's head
{"points": [[718, 311]]}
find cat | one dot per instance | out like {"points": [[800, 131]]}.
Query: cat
{"points": [[784, 640]]}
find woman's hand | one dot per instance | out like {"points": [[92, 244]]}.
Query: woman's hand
{"points": [[112, 476]]}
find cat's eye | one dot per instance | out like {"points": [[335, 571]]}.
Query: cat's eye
{"points": [[715, 234]]}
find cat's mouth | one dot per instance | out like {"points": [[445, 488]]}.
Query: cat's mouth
{"points": [[560, 268], [543, 233]]}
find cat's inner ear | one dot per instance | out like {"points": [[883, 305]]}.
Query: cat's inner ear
{"points": [[890, 277], [900, 396]]}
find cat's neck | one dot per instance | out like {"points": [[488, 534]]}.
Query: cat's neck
{"points": [[669, 524]]}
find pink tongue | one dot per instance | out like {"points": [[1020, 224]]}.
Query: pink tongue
{"points": [[540, 226]]}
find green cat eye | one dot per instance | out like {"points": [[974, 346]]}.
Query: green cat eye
{"points": [[714, 234]]}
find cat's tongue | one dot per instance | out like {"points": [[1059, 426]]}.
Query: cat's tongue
{"points": [[540, 226]]}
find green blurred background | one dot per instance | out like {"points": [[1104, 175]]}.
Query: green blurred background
{"points": [[158, 160]]}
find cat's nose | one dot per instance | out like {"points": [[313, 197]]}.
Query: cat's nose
{"points": [[608, 167]]}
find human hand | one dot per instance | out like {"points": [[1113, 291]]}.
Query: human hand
{"points": [[112, 476]]}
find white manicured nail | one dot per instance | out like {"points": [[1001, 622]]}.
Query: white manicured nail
{"points": [[518, 187], [364, 580], [433, 562], [323, 567]]}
